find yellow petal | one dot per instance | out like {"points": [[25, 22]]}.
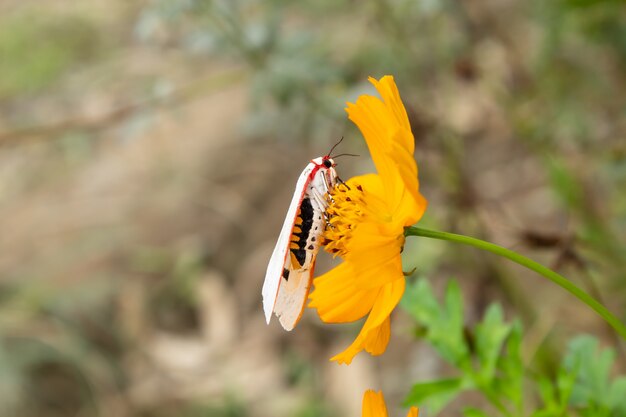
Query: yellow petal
{"points": [[386, 301], [375, 242], [337, 299], [385, 127], [413, 412], [391, 96], [374, 404], [377, 273], [378, 338], [372, 118], [409, 184], [369, 181]]}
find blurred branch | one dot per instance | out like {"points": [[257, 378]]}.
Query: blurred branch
{"points": [[177, 97]]}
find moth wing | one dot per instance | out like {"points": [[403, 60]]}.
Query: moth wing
{"points": [[273, 275], [292, 293], [292, 297]]}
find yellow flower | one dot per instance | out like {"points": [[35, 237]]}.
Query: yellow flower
{"points": [[374, 405], [367, 217]]}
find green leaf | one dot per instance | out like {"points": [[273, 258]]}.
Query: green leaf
{"points": [[512, 368], [592, 370], [617, 395], [565, 385], [555, 396], [547, 392], [474, 412], [490, 336], [420, 302], [436, 393], [446, 333], [444, 323], [590, 384]]}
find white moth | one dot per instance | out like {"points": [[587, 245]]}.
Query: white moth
{"points": [[290, 270]]}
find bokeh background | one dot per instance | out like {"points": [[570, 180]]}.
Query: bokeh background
{"points": [[149, 149]]}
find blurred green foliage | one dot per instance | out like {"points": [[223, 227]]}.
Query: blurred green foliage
{"points": [[37, 48], [488, 357], [594, 391]]}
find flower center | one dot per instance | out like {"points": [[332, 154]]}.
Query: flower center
{"points": [[344, 213]]}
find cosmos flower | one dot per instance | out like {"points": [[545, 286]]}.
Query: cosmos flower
{"points": [[374, 405], [367, 217]]}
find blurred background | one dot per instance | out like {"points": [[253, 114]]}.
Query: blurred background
{"points": [[149, 149]]}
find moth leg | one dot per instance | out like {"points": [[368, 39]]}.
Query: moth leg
{"points": [[326, 184], [328, 188], [342, 182], [327, 221], [321, 202]]}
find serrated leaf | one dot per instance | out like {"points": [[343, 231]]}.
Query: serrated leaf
{"points": [[555, 395], [420, 302], [453, 305], [446, 332], [436, 393], [490, 336], [512, 381], [444, 323], [592, 390], [591, 370]]}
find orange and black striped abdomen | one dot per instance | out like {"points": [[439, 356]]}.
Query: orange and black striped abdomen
{"points": [[300, 234]]}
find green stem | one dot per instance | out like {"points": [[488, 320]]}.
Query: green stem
{"points": [[528, 263]]}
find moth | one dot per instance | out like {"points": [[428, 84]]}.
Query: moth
{"points": [[290, 269]]}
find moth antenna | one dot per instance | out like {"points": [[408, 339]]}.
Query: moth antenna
{"points": [[334, 146], [345, 154]]}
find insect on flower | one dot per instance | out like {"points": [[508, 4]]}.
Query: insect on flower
{"points": [[290, 270], [368, 215]]}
